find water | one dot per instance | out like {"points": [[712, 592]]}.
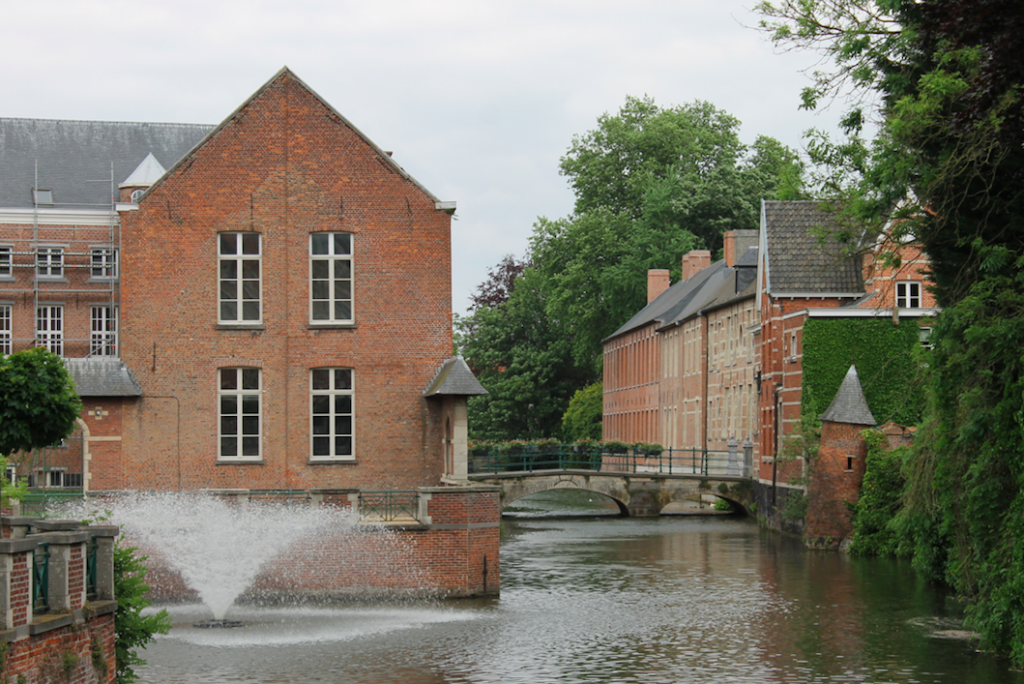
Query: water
{"points": [[218, 546], [611, 600]]}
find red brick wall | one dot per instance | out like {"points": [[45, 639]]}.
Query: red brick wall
{"points": [[836, 480], [77, 293], [284, 166], [631, 370], [41, 658]]}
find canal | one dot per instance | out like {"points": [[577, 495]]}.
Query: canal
{"points": [[590, 599]]}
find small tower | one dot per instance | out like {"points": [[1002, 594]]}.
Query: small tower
{"points": [[838, 474], [453, 384]]}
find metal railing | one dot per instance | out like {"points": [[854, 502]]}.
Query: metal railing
{"points": [[41, 578], [388, 506], [35, 502], [685, 461], [90, 568]]}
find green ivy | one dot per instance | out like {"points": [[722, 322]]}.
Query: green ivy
{"points": [[888, 358], [881, 499]]}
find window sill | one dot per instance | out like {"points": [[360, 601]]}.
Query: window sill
{"points": [[336, 326], [98, 279], [239, 461], [7, 279], [240, 326], [331, 461], [51, 279]]}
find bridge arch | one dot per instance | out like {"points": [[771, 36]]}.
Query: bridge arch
{"points": [[528, 486], [642, 496]]}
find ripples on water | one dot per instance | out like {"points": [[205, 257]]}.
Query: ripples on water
{"points": [[610, 600]]}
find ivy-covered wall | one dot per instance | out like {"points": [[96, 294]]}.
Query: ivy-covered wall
{"points": [[887, 357]]}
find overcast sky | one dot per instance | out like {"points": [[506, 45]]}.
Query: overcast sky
{"points": [[477, 99]]}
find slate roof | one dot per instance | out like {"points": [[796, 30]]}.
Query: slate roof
{"points": [[849, 404], [72, 154], [712, 287], [454, 378], [102, 377], [798, 261]]}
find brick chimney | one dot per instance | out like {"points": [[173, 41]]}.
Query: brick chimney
{"points": [[736, 243], [657, 282], [695, 261]]}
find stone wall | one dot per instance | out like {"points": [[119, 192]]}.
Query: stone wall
{"points": [[71, 637]]}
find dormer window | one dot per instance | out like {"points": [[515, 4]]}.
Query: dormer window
{"points": [[43, 198], [908, 294]]}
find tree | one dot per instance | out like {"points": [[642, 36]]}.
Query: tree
{"points": [[651, 184], [583, 418], [133, 627], [38, 408], [947, 166], [38, 403]]}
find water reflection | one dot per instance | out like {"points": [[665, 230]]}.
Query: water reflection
{"points": [[614, 600]]}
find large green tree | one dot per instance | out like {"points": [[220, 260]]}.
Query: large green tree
{"points": [[651, 184], [946, 166]]}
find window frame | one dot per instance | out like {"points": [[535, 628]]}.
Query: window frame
{"points": [[52, 339], [108, 261], [334, 392], [46, 266], [6, 262], [6, 328], [104, 339], [239, 393], [237, 263], [907, 292], [332, 279]]}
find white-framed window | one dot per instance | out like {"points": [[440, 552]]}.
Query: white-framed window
{"points": [[6, 262], [330, 277], [6, 336], [103, 263], [239, 278], [241, 412], [50, 327], [331, 413], [908, 294], [103, 330], [50, 262]]}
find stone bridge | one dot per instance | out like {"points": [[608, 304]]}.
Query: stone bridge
{"points": [[636, 494]]}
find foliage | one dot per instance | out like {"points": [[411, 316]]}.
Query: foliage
{"points": [[887, 357], [947, 166], [523, 359], [582, 420], [722, 505], [132, 629], [38, 403], [651, 184], [880, 501]]}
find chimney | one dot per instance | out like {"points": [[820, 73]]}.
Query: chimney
{"points": [[695, 261], [736, 243], [657, 282]]}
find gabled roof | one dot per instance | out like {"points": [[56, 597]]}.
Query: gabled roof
{"points": [[849, 404], [102, 377], [285, 72], [800, 259], [454, 378], [73, 158]]}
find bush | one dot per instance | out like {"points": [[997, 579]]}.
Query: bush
{"points": [[132, 629]]}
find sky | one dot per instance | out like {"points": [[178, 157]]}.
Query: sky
{"points": [[477, 99]]}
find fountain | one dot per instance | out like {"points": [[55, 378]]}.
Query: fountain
{"points": [[219, 547]]}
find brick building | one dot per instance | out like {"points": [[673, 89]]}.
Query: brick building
{"points": [[680, 373], [259, 304], [718, 357]]}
